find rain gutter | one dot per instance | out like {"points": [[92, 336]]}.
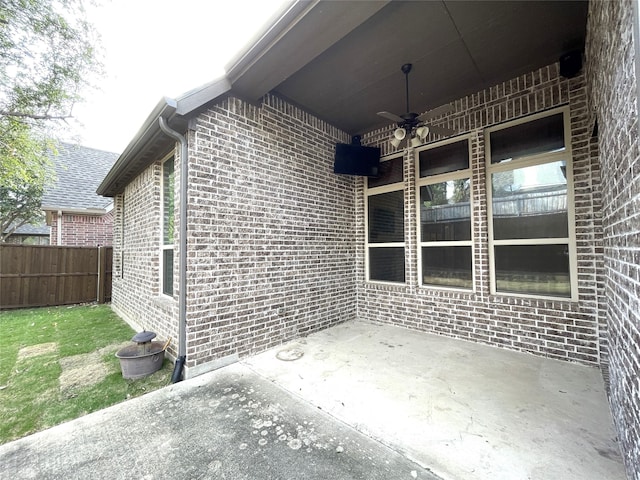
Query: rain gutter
{"points": [[76, 210], [120, 174], [182, 259]]}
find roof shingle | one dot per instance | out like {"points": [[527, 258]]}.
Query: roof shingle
{"points": [[79, 171]]}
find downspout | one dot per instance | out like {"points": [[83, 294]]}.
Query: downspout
{"points": [[182, 259], [59, 225]]}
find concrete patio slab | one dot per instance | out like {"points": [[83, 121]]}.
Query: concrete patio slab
{"points": [[464, 410], [357, 401], [228, 424]]}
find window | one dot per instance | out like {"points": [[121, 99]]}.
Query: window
{"points": [[385, 223], [167, 226], [122, 225], [444, 214], [530, 200]]}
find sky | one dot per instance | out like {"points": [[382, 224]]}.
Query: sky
{"points": [[159, 48]]}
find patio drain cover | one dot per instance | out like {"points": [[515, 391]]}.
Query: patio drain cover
{"points": [[289, 354]]}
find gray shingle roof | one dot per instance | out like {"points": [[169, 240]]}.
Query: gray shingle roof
{"points": [[41, 229], [79, 171]]}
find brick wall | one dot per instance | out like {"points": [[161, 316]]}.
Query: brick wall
{"points": [[136, 286], [270, 234], [83, 230], [276, 240], [612, 96], [552, 328], [271, 230]]}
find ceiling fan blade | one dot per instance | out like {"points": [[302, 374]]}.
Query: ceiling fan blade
{"points": [[436, 112], [440, 130], [391, 116]]}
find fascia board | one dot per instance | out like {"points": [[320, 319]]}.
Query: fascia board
{"points": [[196, 98]]}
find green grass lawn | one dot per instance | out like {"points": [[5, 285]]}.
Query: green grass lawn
{"points": [[59, 363]]}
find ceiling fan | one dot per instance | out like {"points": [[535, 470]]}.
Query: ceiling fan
{"points": [[413, 125]]}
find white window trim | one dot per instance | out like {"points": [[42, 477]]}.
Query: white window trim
{"points": [[164, 247], [531, 160], [440, 178], [392, 187]]}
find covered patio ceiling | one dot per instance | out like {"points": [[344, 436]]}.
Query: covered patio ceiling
{"points": [[341, 60]]}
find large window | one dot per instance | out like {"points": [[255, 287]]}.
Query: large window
{"points": [[167, 226], [385, 223], [530, 199], [444, 214]]}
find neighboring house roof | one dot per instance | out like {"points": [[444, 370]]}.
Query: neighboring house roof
{"points": [[79, 171], [341, 62], [41, 229]]}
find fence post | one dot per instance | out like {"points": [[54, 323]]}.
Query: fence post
{"points": [[102, 277]]}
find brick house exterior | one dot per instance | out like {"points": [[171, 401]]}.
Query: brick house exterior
{"points": [[276, 240], [565, 330], [613, 97], [81, 230], [77, 216], [271, 276], [275, 181]]}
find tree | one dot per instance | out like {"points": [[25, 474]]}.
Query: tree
{"points": [[461, 190], [47, 57], [19, 205]]}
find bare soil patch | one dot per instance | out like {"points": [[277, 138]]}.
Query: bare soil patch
{"points": [[35, 350], [81, 371]]}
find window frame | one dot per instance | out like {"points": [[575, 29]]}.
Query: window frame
{"points": [[371, 191], [164, 247], [122, 235], [440, 178], [530, 161]]}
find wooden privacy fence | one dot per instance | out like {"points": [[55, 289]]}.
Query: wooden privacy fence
{"points": [[38, 275]]}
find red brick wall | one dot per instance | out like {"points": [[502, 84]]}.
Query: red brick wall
{"points": [[83, 230]]}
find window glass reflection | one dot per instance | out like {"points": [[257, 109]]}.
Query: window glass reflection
{"points": [[537, 136], [533, 269], [386, 264], [447, 158], [386, 217], [530, 202], [447, 266], [445, 211]]}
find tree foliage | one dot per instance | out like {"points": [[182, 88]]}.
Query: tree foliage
{"points": [[46, 52], [436, 193], [19, 205], [24, 174], [47, 57]]}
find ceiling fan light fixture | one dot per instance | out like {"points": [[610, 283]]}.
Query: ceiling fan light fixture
{"points": [[422, 132], [413, 125], [399, 134]]}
